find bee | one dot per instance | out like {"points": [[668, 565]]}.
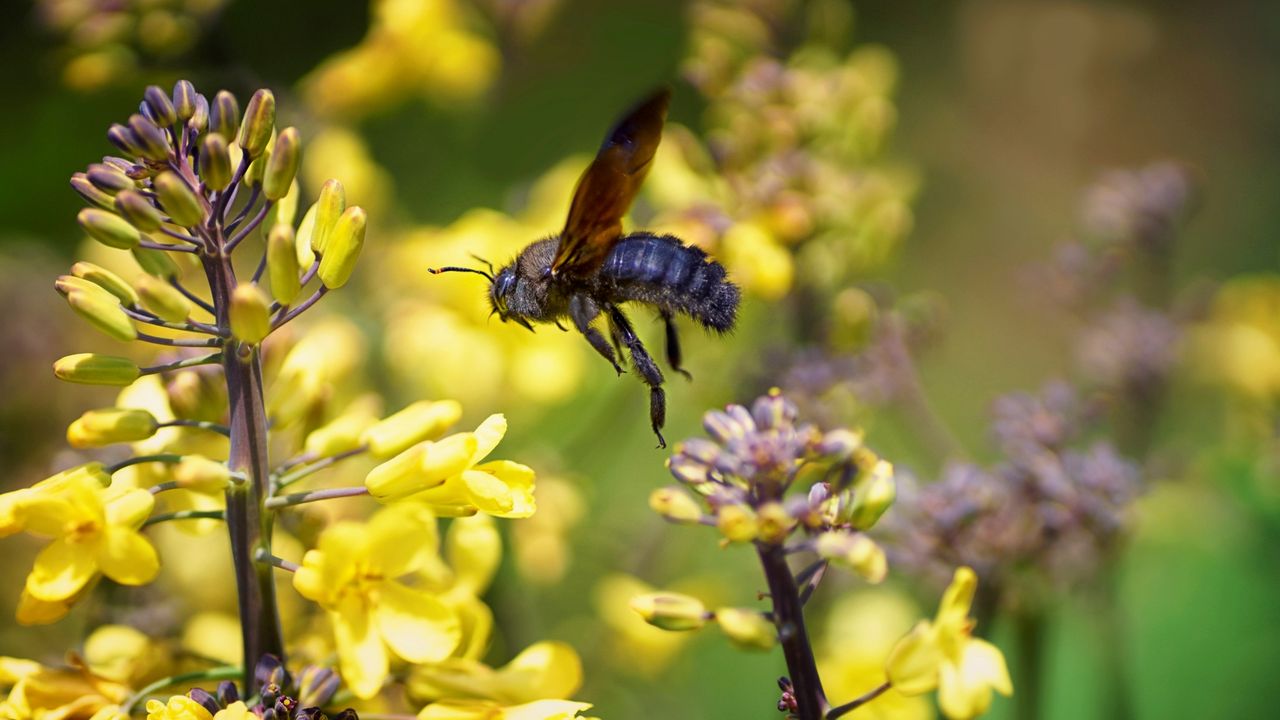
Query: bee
{"points": [[592, 268]]}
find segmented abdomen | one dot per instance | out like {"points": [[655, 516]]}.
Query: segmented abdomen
{"points": [[663, 271]]}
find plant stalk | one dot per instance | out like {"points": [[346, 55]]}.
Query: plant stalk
{"points": [[788, 617]]}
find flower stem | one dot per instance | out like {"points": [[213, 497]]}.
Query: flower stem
{"points": [[315, 496], [201, 424], [313, 466], [162, 457], [185, 515], [858, 701], [788, 617]]}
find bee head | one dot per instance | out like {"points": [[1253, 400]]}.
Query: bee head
{"points": [[501, 287]]}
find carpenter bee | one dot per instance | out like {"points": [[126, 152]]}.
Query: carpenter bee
{"points": [[591, 268]]}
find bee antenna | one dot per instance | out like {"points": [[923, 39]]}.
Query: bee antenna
{"points": [[486, 262], [437, 271]]}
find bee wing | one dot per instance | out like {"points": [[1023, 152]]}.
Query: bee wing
{"points": [[608, 186]]}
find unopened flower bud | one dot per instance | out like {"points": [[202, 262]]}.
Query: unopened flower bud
{"points": [[104, 312], [421, 467], [201, 474], [316, 685], [329, 207], [282, 165], [162, 299], [772, 410], [342, 249], [748, 629], [738, 523], [840, 444], [123, 138], [106, 280], [151, 140], [675, 505], [257, 169], [423, 420], [688, 470], [250, 314], [91, 193], [282, 265], [109, 179], [155, 262], [95, 369], [178, 199], [670, 611], [259, 121], [856, 551], [200, 118], [67, 284], [162, 109], [196, 395], [97, 428], [725, 427], [224, 115], [775, 523], [108, 228], [343, 433], [138, 210], [215, 161], [302, 243], [184, 100], [872, 496]]}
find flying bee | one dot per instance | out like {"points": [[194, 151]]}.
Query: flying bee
{"points": [[591, 268]]}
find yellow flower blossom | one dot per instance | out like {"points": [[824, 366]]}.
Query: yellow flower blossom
{"points": [[944, 655], [43, 693], [861, 629], [181, 707], [485, 710], [447, 476], [355, 574], [125, 655], [543, 670]]}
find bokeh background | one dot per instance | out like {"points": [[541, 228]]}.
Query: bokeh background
{"points": [[1002, 115]]}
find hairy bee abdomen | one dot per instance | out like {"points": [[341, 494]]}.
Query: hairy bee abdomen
{"points": [[661, 270]]}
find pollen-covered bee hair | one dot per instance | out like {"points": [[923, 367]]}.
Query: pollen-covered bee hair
{"points": [[591, 268]]}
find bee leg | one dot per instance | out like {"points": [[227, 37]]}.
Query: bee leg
{"points": [[673, 346], [647, 369], [583, 311], [616, 338]]}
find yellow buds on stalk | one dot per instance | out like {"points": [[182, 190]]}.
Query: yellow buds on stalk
{"points": [[872, 495], [184, 100], [201, 474], [103, 310], [328, 208], [282, 166], [282, 265], [259, 120], [162, 299], [738, 523], [671, 611], [151, 141], [856, 551], [95, 369], [343, 433], [93, 195], [224, 114], [138, 210], [775, 523], [342, 249], [747, 628], [161, 107], [178, 199], [108, 228], [155, 262], [423, 420], [675, 505], [250, 314], [422, 466], [108, 179], [215, 161], [97, 428], [106, 280]]}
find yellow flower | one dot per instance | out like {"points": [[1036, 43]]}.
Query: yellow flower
{"points": [[861, 629], [354, 574], [446, 476], [943, 654], [94, 529], [485, 710], [543, 670], [125, 655], [181, 707], [45, 693]]}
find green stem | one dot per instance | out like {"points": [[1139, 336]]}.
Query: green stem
{"points": [[284, 480], [210, 359], [858, 701], [201, 424], [315, 496], [185, 515], [1029, 628], [161, 457], [226, 672]]}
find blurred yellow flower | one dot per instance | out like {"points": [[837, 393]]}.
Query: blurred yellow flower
{"points": [[181, 707], [355, 575], [861, 630], [635, 645], [544, 670], [485, 710], [125, 655], [37, 692], [1239, 345], [542, 546], [944, 655]]}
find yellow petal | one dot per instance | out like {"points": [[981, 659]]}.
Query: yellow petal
{"points": [[959, 699], [130, 508], [512, 497], [362, 658], [402, 538], [542, 670], [473, 548], [235, 711], [60, 571], [126, 556], [546, 710], [488, 435], [47, 515], [984, 663], [953, 611], [33, 611], [912, 666], [417, 626], [446, 458]]}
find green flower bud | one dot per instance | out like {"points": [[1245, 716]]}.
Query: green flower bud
{"points": [[671, 611], [283, 165], [97, 428], [747, 628], [259, 121], [151, 140], [738, 523], [200, 118], [161, 107], [155, 262], [840, 444], [343, 248], [67, 284], [257, 169], [854, 550], [95, 369], [107, 280], [108, 228], [282, 265], [162, 299], [250, 314], [285, 210], [675, 505], [215, 161], [224, 115], [423, 420], [872, 496], [138, 210], [302, 244], [80, 183], [775, 523], [329, 207], [104, 312], [178, 199], [108, 179], [201, 474], [123, 138], [184, 100]]}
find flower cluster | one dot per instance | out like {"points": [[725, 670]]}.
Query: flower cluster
{"points": [[786, 488]]}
